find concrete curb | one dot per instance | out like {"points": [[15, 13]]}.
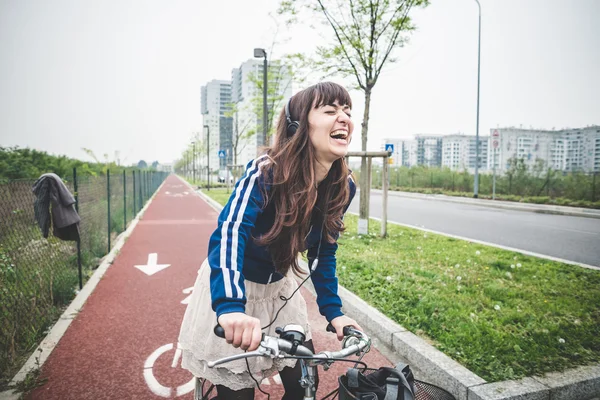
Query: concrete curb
{"points": [[435, 367], [508, 205], [216, 206], [45, 348]]}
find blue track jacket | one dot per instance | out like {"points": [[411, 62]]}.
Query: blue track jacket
{"points": [[234, 257]]}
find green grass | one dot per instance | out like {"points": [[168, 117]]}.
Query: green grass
{"points": [[501, 314], [220, 195]]}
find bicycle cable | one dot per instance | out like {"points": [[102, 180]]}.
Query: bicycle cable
{"points": [[285, 300]]}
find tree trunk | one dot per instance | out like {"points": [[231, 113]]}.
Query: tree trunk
{"points": [[364, 173]]}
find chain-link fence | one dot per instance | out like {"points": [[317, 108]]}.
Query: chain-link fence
{"points": [[40, 276], [573, 186]]}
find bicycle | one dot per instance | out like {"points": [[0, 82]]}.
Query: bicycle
{"points": [[288, 345]]}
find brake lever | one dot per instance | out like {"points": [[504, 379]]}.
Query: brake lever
{"points": [[269, 347], [348, 329]]}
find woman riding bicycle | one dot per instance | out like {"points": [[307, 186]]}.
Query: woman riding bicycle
{"points": [[290, 200]]}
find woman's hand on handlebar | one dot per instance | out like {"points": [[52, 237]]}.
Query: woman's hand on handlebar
{"points": [[340, 322], [241, 330]]}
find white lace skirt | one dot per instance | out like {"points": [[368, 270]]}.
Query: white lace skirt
{"points": [[199, 344]]}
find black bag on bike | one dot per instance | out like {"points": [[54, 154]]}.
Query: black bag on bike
{"points": [[384, 383]]}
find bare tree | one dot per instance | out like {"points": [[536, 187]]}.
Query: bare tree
{"points": [[364, 35]]}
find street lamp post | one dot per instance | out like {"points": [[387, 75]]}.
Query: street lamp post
{"points": [[194, 162], [207, 156], [257, 54], [476, 184]]}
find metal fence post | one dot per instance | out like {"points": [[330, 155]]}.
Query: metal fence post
{"points": [[143, 187], [79, 236], [134, 203], [124, 201], [108, 203], [141, 201]]}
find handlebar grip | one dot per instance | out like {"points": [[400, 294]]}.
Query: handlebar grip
{"points": [[346, 331], [219, 331]]}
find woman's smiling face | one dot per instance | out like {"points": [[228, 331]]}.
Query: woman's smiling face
{"points": [[330, 131]]}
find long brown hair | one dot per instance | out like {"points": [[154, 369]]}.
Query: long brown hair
{"points": [[294, 192]]}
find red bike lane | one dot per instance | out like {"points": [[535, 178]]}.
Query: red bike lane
{"points": [[122, 344]]}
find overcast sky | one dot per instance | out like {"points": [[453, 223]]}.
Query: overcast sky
{"points": [[125, 75]]}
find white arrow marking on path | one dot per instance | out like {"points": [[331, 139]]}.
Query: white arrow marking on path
{"points": [[187, 291], [152, 267]]}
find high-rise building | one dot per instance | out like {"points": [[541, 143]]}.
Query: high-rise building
{"points": [[215, 103]]}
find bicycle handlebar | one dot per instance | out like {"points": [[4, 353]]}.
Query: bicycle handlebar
{"points": [[220, 332], [271, 346]]}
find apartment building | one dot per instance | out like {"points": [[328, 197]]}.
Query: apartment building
{"points": [[429, 150], [248, 103], [214, 103], [422, 150], [456, 152], [566, 150], [459, 152]]}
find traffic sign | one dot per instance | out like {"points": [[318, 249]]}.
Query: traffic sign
{"points": [[495, 134], [222, 154], [389, 147]]}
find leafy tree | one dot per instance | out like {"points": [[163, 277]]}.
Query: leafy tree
{"points": [[155, 165], [243, 130], [279, 79], [364, 37], [516, 172], [142, 164], [18, 163]]}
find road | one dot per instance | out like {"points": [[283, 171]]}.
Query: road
{"points": [[569, 238]]}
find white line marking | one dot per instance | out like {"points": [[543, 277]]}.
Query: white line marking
{"points": [[529, 253], [187, 291], [153, 384]]}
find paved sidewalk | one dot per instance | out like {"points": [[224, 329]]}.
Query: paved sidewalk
{"points": [[122, 344]]}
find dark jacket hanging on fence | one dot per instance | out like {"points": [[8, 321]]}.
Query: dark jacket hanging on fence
{"points": [[49, 189]]}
